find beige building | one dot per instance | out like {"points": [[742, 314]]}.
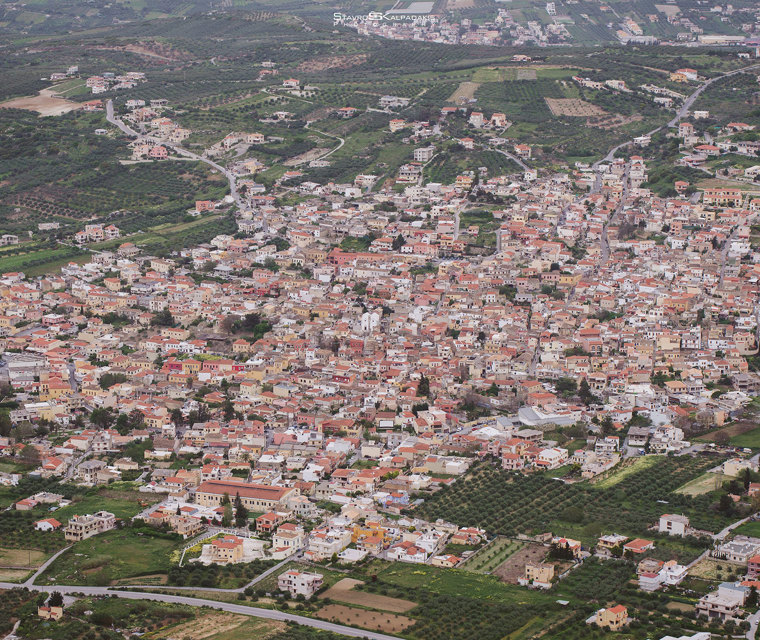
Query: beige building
{"points": [[538, 575], [613, 618], [255, 497], [83, 527]]}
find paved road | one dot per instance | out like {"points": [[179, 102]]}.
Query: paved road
{"points": [[43, 567], [513, 157], [680, 114], [268, 614]]}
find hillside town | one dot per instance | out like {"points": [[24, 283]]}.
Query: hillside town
{"points": [[340, 360]]}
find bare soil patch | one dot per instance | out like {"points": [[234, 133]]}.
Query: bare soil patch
{"points": [[668, 9], [46, 104], [573, 107], [465, 91], [332, 62], [514, 566], [526, 74], [344, 591], [214, 624], [308, 156], [374, 620], [738, 428], [460, 4]]}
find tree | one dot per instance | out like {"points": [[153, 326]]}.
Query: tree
{"points": [[607, 425], [752, 597], [584, 392], [566, 386], [492, 391], [241, 513], [177, 417], [423, 389], [56, 599], [162, 319], [101, 417], [227, 517], [726, 504]]}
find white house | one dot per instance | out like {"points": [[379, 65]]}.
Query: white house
{"points": [[673, 525]]}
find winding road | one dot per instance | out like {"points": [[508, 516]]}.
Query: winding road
{"points": [[127, 130]]}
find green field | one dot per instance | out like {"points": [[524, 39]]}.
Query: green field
{"points": [[622, 471], [456, 582], [110, 557], [491, 556], [749, 439], [749, 529]]}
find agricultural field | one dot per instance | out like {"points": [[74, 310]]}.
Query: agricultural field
{"points": [[366, 619], [704, 484], [749, 439], [344, 591], [111, 557], [491, 556], [508, 504]]}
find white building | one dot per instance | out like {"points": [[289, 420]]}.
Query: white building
{"points": [[673, 525], [300, 583]]}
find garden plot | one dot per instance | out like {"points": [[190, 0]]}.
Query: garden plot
{"points": [[223, 625], [526, 74], [464, 93], [514, 566], [343, 591], [374, 620], [574, 108]]}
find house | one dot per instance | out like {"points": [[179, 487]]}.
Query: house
{"points": [[738, 551], [423, 154], [300, 583], [753, 567], [638, 545], [612, 618], [255, 497], [48, 524], [225, 550], [83, 527], [538, 575], [723, 604], [288, 538], [391, 102], [50, 613], [674, 525], [669, 574]]}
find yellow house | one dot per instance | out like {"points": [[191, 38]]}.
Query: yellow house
{"points": [[191, 366], [541, 573], [369, 529], [50, 613], [614, 618]]}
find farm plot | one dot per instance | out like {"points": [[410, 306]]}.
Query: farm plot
{"points": [[704, 484], [573, 108], [514, 566], [491, 556], [465, 92], [526, 74], [222, 626], [374, 620], [26, 558], [344, 591]]}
